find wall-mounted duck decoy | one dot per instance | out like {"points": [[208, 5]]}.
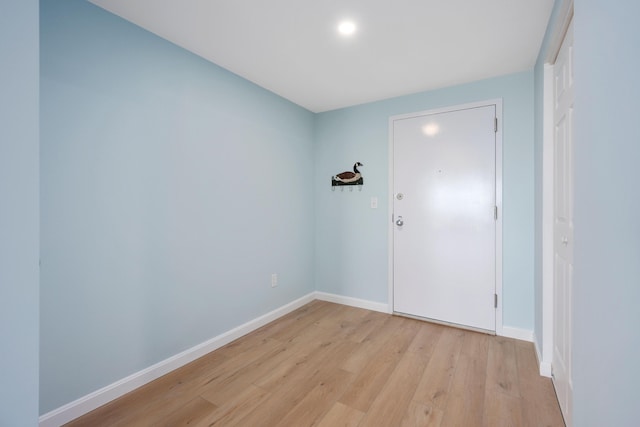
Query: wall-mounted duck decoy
{"points": [[348, 177]]}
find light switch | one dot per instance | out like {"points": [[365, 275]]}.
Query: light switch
{"points": [[374, 203]]}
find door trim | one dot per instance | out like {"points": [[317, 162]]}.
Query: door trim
{"points": [[498, 162]]}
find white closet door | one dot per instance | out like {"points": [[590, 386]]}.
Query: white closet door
{"points": [[563, 225]]}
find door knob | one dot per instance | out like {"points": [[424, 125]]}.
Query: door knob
{"points": [[399, 222], [565, 240]]}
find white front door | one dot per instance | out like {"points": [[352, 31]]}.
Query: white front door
{"points": [[444, 232], [563, 224]]}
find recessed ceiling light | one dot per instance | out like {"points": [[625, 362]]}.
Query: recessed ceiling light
{"points": [[347, 28]]}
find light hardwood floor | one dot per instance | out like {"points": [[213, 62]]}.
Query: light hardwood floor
{"points": [[330, 365]]}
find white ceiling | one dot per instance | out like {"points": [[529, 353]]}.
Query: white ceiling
{"points": [[292, 48]]}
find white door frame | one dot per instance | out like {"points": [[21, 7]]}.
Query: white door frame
{"points": [[557, 37], [498, 163]]}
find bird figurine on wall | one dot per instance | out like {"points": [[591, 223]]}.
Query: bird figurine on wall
{"points": [[348, 177]]}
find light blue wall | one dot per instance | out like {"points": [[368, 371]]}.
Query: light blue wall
{"points": [[170, 191], [606, 291], [351, 238], [19, 213]]}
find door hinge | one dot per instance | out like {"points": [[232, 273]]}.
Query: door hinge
{"points": [[495, 124], [495, 300], [495, 213]]}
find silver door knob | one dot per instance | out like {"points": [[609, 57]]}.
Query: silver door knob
{"points": [[564, 241], [399, 222]]}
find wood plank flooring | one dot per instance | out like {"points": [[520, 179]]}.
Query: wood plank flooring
{"points": [[330, 365]]}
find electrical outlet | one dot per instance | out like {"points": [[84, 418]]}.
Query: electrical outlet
{"points": [[274, 280]]}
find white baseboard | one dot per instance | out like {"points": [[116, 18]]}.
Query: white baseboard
{"points": [[545, 366], [94, 400], [517, 333], [353, 302], [545, 369]]}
